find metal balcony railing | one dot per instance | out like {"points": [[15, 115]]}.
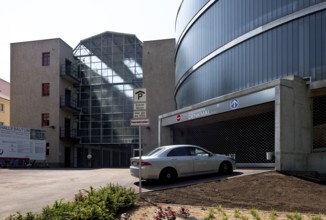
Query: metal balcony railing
{"points": [[70, 134], [70, 72], [69, 103]]}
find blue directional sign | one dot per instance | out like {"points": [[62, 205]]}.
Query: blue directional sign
{"points": [[234, 104]]}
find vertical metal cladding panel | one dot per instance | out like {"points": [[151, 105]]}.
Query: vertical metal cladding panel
{"points": [[187, 11], [288, 49]]}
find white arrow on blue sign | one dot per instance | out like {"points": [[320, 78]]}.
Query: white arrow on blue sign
{"points": [[234, 104]]}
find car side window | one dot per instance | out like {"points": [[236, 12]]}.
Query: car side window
{"points": [[192, 151], [200, 152], [177, 152]]}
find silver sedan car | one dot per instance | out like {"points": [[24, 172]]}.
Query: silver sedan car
{"points": [[168, 163]]}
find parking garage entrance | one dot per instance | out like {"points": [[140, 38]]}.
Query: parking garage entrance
{"points": [[246, 134]]}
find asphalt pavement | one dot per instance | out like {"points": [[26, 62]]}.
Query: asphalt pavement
{"points": [[24, 190]]}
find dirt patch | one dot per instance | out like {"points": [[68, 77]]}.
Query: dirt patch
{"points": [[265, 191], [147, 212]]}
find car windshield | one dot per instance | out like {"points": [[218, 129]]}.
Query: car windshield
{"points": [[153, 152]]}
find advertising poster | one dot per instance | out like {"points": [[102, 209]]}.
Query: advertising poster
{"points": [[22, 143]]}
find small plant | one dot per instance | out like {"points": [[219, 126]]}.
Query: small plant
{"points": [[183, 212], [244, 217], [255, 214], [298, 216], [317, 217], [159, 213], [295, 216], [16, 216], [170, 214], [289, 216], [211, 215], [167, 213], [219, 208], [273, 215], [237, 213]]}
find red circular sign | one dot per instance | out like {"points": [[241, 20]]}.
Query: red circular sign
{"points": [[178, 117]]}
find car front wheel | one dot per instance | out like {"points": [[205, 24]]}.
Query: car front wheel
{"points": [[225, 168], [168, 175]]}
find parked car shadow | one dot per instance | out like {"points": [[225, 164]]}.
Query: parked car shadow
{"points": [[153, 185]]}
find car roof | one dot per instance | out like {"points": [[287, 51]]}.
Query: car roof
{"points": [[178, 145]]}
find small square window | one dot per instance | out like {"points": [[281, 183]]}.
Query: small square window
{"points": [[45, 119], [45, 89], [46, 59]]}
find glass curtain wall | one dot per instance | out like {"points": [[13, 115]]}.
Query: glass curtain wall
{"points": [[110, 66]]}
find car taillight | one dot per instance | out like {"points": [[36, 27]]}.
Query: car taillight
{"points": [[145, 163]]}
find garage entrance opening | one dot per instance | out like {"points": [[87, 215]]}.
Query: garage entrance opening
{"points": [[248, 137]]}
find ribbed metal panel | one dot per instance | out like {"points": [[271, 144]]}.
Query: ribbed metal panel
{"points": [[294, 47]]}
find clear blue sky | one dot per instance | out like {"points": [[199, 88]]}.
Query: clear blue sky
{"points": [[75, 20]]}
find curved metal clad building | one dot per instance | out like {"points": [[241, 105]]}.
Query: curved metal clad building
{"points": [[250, 81], [228, 45]]}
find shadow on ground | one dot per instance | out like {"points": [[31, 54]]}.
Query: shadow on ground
{"points": [[152, 185]]}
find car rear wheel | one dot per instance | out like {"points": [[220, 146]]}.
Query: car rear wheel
{"points": [[225, 168], [168, 175]]}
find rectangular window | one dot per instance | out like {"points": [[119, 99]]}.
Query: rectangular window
{"points": [[46, 59], [45, 89], [2, 107], [45, 119]]}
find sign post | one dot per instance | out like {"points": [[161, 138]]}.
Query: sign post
{"points": [[139, 163], [139, 119]]}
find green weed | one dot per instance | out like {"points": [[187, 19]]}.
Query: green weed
{"points": [[317, 217], [211, 215], [295, 216], [255, 214], [237, 213], [273, 215]]}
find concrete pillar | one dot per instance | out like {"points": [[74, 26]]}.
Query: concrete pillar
{"points": [[159, 74], [293, 125]]}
